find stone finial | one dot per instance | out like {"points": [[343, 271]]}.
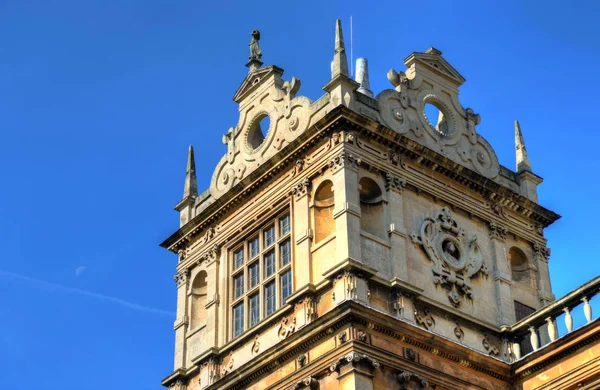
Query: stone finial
{"points": [[362, 76], [523, 163], [340, 62], [191, 185]]}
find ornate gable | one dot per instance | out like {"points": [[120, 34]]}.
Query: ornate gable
{"points": [[254, 80], [432, 60]]}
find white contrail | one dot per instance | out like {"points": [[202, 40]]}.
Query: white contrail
{"points": [[71, 290]]}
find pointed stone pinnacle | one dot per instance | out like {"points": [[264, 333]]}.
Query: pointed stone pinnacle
{"points": [[340, 62], [191, 186], [523, 163]]}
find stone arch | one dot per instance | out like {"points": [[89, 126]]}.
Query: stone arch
{"points": [[371, 207], [519, 266], [323, 210], [198, 300]]}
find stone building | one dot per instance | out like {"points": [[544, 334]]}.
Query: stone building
{"points": [[354, 242]]}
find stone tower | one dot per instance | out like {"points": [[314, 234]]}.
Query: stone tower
{"points": [[352, 243]]}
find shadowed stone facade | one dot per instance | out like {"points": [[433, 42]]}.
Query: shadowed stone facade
{"points": [[353, 244]]}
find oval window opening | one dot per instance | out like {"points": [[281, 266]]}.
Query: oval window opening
{"points": [[258, 132], [436, 119]]}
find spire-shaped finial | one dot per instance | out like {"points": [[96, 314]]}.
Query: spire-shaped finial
{"points": [[523, 163], [191, 186], [340, 62], [362, 76]]}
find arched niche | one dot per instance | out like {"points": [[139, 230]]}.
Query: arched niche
{"points": [[323, 211], [371, 207], [198, 300], [519, 266]]}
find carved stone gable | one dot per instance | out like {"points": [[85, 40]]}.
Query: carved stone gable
{"points": [[455, 255]]}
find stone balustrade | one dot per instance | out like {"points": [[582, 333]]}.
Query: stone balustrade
{"points": [[543, 322]]}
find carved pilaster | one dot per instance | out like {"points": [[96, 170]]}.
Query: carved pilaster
{"points": [[395, 183], [497, 232], [302, 188]]}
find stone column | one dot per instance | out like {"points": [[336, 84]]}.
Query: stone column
{"points": [[397, 231], [182, 280], [540, 258], [355, 371], [302, 233], [346, 212], [502, 279]]}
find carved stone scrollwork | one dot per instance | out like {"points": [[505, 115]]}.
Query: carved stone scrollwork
{"points": [[255, 346], [211, 255], [406, 378], [298, 167], [211, 232], [394, 182], [354, 358], [458, 332], [301, 188], [284, 329], [308, 382], [541, 252], [498, 232], [181, 277], [179, 384], [344, 159], [213, 370], [456, 258]]}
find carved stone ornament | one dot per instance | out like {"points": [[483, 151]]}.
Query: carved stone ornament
{"points": [[228, 365], [497, 231], [255, 346], [344, 159], [458, 332], [541, 252], [181, 277], [354, 358], [284, 329], [394, 182], [425, 319], [405, 378], [307, 383], [301, 188], [456, 258], [492, 350], [302, 360]]}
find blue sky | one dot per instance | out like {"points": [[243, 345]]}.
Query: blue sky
{"points": [[99, 101]]}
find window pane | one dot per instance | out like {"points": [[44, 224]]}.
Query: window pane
{"points": [[238, 320], [254, 247], [284, 253], [270, 236], [286, 286], [270, 298], [284, 225], [270, 264], [238, 286], [238, 258], [254, 309], [254, 271]]}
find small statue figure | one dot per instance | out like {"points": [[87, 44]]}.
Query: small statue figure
{"points": [[255, 53]]}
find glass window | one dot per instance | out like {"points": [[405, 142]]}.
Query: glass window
{"points": [[254, 247], [254, 309], [238, 319], [269, 264], [270, 302], [254, 271], [269, 236], [238, 258], [238, 286], [285, 253], [284, 225], [286, 286]]}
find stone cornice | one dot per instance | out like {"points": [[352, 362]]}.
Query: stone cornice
{"points": [[348, 119]]}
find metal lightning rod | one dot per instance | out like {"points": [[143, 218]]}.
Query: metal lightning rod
{"points": [[351, 56]]}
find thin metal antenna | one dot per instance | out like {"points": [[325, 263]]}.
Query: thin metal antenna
{"points": [[351, 56]]}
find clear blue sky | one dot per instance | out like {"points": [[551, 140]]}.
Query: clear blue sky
{"points": [[100, 99]]}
